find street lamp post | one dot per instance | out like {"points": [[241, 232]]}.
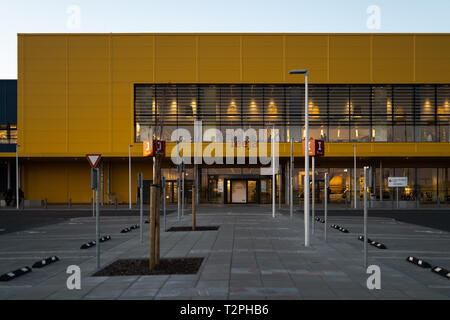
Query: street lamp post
{"points": [[129, 175], [17, 176], [306, 193]]}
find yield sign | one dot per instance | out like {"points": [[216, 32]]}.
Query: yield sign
{"points": [[93, 159]]}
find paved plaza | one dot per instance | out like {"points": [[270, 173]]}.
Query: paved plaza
{"points": [[251, 256]]}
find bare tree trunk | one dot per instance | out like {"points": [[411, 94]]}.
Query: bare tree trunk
{"points": [[152, 227]]}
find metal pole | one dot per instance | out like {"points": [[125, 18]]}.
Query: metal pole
{"points": [[365, 217], [354, 174], [279, 189], [291, 181], [108, 183], [179, 198], [102, 184], [98, 221], [93, 203], [325, 206], [273, 173], [141, 211], [313, 205], [381, 181], [306, 193], [164, 200], [17, 176], [182, 193], [9, 175], [178, 183], [129, 176], [398, 205]]}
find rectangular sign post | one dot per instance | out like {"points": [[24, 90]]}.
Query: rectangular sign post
{"points": [[164, 200], [365, 216], [397, 182], [93, 187], [98, 220], [141, 204], [94, 160], [325, 206]]}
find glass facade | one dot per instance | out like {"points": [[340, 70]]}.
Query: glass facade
{"points": [[8, 134], [338, 113]]}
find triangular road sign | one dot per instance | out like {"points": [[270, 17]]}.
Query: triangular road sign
{"points": [[94, 159]]}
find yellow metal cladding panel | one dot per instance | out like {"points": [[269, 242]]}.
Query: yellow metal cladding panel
{"points": [[72, 180], [176, 59], [42, 99], [76, 90], [122, 117], [219, 57], [307, 52], [350, 59], [88, 94], [432, 59], [393, 58], [132, 58], [262, 59]]}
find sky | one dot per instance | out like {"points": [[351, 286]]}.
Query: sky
{"points": [[126, 16]]}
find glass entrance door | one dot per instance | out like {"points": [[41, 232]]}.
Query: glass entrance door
{"points": [[238, 191]]}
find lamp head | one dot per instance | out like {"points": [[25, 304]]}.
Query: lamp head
{"points": [[300, 71]]}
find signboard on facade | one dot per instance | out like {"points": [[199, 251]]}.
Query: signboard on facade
{"points": [[220, 186], [397, 182], [316, 147], [152, 148]]}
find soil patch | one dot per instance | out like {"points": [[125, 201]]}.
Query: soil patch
{"points": [[179, 229], [140, 267]]}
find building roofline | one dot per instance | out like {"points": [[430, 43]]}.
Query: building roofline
{"points": [[232, 34]]}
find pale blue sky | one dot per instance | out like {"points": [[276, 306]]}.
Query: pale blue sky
{"points": [[50, 16]]}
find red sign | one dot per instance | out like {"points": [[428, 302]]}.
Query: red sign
{"points": [[152, 148], [94, 159], [316, 147]]}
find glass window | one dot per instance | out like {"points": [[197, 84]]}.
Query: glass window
{"points": [[444, 184], [360, 133], [381, 114], [339, 108], [209, 106], [427, 183], [295, 105], [443, 112], [425, 114], [252, 106]]}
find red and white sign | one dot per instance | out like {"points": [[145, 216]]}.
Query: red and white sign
{"points": [[316, 147], [94, 159], [152, 148]]}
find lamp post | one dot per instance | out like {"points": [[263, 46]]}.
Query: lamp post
{"points": [[129, 175], [306, 193], [17, 176]]}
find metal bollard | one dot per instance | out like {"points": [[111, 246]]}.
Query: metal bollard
{"points": [[45, 203], [70, 203], [115, 202]]}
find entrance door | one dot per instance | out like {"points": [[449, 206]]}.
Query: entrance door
{"points": [[252, 192], [239, 191]]}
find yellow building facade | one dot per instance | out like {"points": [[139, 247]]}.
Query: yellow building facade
{"points": [[76, 95]]}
